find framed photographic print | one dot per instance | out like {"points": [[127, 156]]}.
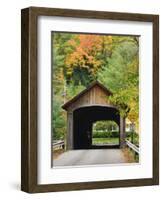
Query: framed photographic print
{"points": [[90, 99]]}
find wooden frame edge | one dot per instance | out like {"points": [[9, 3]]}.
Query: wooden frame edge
{"points": [[24, 99], [29, 99], [156, 99]]}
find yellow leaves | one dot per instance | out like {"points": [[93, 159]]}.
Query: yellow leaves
{"points": [[60, 76], [86, 48], [69, 73], [107, 40], [72, 42]]}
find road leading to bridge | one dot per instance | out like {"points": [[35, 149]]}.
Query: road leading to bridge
{"points": [[90, 157]]}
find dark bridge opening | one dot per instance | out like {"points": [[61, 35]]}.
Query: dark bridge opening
{"points": [[83, 120]]}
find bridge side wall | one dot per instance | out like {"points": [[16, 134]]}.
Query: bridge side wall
{"points": [[122, 132], [69, 135]]}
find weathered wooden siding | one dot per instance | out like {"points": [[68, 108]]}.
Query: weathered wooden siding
{"points": [[95, 96]]}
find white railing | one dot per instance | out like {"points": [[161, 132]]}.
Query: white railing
{"points": [[58, 144], [132, 146]]}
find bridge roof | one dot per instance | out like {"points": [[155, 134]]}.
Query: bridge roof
{"points": [[92, 85]]}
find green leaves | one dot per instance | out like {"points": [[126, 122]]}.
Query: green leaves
{"points": [[58, 121], [121, 75], [79, 59]]}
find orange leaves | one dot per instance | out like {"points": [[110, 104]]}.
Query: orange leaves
{"points": [[90, 43], [85, 54]]}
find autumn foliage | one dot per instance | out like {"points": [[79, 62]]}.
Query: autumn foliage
{"points": [[79, 59]]}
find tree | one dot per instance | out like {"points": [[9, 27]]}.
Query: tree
{"points": [[84, 62], [121, 75], [79, 59], [60, 48]]}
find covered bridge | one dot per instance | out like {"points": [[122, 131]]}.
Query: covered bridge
{"points": [[87, 107]]}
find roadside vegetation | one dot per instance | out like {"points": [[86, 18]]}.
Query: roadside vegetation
{"points": [[79, 59]]}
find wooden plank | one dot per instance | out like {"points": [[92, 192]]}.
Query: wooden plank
{"points": [[29, 100], [96, 93], [69, 136], [122, 132]]}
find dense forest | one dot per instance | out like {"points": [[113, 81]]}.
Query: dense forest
{"points": [[79, 59]]}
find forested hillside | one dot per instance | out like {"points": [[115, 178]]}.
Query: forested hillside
{"points": [[79, 59]]}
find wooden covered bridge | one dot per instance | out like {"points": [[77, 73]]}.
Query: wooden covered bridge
{"points": [[89, 106]]}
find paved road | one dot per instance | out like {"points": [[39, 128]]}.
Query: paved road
{"points": [[89, 157]]}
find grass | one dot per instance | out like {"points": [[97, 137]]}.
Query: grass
{"points": [[105, 140]]}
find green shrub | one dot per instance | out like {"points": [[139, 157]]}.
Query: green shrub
{"points": [[135, 137], [128, 133], [105, 134], [98, 134], [114, 134]]}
